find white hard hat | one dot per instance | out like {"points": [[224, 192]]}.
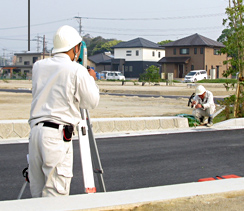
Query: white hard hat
{"points": [[65, 38], [200, 90]]}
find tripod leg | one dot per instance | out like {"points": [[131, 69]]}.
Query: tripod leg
{"points": [[22, 190], [86, 159], [95, 155]]}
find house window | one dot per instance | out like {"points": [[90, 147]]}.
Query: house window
{"points": [[195, 50], [128, 53], [137, 53], [216, 52], [34, 59], [26, 63], [184, 51], [201, 50], [20, 59], [174, 51], [126, 68], [192, 67], [153, 53], [130, 68], [159, 55]]}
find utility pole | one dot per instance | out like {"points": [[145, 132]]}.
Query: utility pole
{"points": [[43, 46], [79, 21], [28, 25], [38, 42], [4, 49]]}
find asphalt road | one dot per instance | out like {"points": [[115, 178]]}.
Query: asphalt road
{"points": [[142, 161]]}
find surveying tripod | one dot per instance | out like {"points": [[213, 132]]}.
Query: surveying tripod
{"points": [[90, 160]]}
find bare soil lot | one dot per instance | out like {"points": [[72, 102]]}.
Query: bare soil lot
{"points": [[17, 105]]}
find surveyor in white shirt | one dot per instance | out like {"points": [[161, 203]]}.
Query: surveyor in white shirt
{"points": [[203, 104], [60, 87]]}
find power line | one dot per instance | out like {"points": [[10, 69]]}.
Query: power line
{"points": [[123, 19], [158, 30], [40, 24], [157, 18]]}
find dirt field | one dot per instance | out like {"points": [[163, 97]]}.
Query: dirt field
{"points": [[17, 106]]}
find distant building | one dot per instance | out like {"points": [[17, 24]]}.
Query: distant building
{"points": [[194, 52], [132, 58], [100, 62], [22, 68]]}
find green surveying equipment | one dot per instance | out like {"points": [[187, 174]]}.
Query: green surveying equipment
{"points": [[83, 54]]}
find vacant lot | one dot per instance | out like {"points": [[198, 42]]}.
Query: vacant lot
{"points": [[17, 105]]}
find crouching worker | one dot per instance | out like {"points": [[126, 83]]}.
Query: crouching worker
{"points": [[203, 104], [60, 87]]}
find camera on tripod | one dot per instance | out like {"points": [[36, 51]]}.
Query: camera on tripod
{"points": [[190, 100]]}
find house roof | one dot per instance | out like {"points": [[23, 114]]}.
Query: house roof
{"points": [[174, 60], [100, 58], [138, 43], [194, 40]]}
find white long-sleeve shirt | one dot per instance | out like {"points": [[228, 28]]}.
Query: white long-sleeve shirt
{"points": [[207, 102], [60, 88]]}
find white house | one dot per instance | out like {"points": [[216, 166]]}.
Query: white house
{"points": [[138, 54]]}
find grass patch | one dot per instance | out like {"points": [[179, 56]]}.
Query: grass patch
{"points": [[219, 80], [222, 116]]}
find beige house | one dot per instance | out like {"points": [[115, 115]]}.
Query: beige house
{"points": [[23, 63], [195, 52]]}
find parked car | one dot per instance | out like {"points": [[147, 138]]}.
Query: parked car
{"points": [[196, 75], [116, 75]]}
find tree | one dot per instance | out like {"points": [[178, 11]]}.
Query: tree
{"points": [[225, 34], [151, 75], [94, 42], [105, 47], [164, 42], [234, 45]]}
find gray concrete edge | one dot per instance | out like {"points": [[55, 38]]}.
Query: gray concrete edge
{"points": [[181, 127], [120, 199], [19, 129]]}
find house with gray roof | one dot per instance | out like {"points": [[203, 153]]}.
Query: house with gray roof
{"points": [[100, 62], [194, 52], [132, 58]]}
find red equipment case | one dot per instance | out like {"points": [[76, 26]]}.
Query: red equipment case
{"points": [[231, 176]]}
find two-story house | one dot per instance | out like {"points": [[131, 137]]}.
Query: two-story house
{"points": [[194, 52], [22, 65], [137, 55]]}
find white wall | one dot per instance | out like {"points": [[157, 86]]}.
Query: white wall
{"points": [[144, 54], [148, 54]]}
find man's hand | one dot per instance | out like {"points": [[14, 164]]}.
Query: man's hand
{"points": [[92, 73], [198, 106], [193, 103]]}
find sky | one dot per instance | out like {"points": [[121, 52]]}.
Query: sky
{"points": [[154, 20]]}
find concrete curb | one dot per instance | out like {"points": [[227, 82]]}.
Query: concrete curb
{"points": [[14, 129], [120, 199]]}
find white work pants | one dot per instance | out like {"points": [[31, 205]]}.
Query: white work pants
{"points": [[50, 162], [199, 112]]}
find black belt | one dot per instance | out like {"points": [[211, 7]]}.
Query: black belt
{"points": [[49, 124]]}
